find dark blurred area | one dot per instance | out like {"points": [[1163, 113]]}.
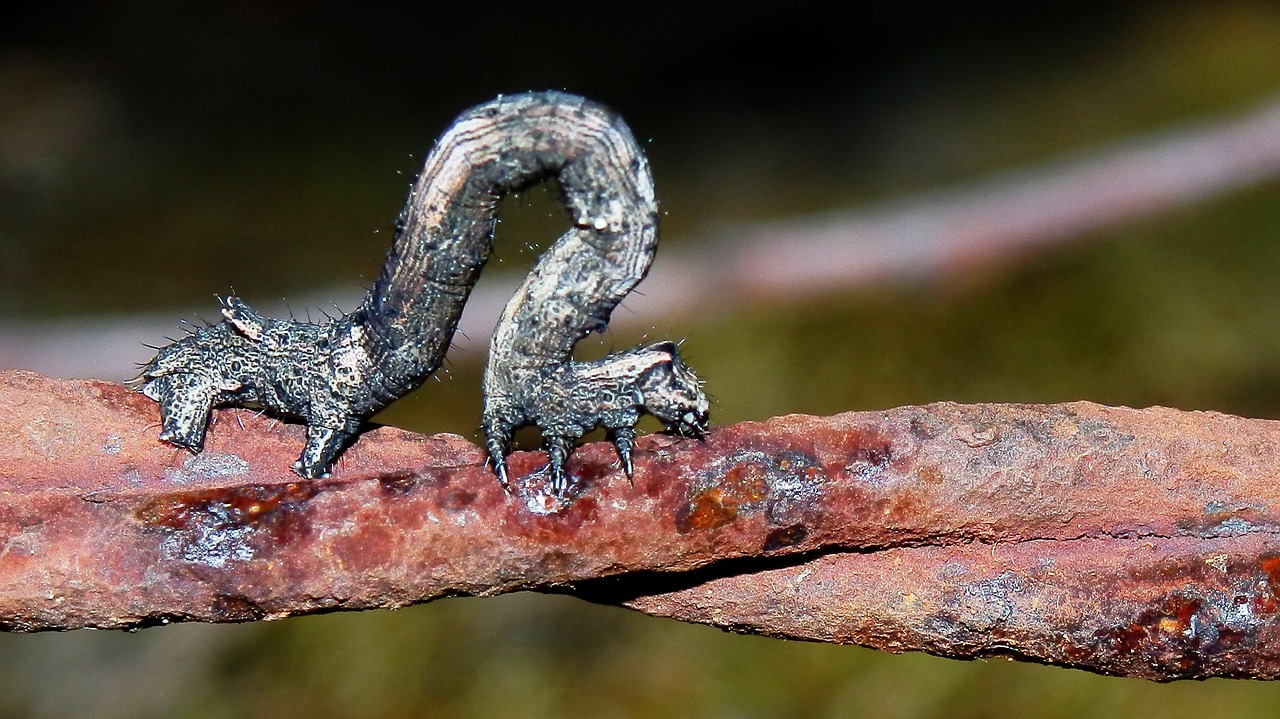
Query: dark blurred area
{"points": [[153, 155], [144, 123]]}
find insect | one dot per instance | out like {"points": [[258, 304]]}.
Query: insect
{"points": [[333, 375]]}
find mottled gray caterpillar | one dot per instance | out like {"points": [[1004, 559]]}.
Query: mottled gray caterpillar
{"points": [[334, 375]]}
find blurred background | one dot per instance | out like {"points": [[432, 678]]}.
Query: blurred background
{"points": [[862, 209]]}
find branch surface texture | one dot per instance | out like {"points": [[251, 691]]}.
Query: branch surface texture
{"points": [[1130, 542]]}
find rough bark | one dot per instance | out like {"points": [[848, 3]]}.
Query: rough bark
{"points": [[1133, 542]]}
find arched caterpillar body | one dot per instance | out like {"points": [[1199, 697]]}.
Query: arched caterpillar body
{"points": [[334, 375]]}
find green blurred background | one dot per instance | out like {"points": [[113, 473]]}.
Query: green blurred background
{"points": [[152, 156]]}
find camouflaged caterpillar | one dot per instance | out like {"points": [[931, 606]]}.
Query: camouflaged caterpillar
{"points": [[334, 375]]}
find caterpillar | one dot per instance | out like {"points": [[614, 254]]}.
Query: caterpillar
{"points": [[334, 375]]}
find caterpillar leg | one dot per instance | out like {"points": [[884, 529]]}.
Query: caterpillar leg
{"points": [[324, 443], [571, 399], [558, 449], [624, 439], [185, 406], [497, 436]]}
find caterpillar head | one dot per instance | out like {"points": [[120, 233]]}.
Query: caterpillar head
{"points": [[672, 393]]}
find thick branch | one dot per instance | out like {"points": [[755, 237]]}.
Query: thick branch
{"points": [[1138, 542]]}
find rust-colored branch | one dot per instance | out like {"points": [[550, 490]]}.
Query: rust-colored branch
{"points": [[1135, 542]]}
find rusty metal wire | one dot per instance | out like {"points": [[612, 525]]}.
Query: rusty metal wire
{"points": [[1131, 542]]}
